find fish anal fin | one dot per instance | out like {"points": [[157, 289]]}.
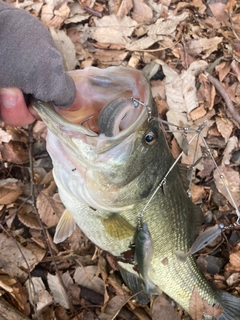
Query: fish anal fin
{"points": [[65, 227], [117, 227]]}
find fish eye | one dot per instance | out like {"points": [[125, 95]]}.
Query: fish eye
{"points": [[150, 138]]}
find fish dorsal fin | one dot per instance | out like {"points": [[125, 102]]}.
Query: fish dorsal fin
{"points": [[117, 227], [65, 227]]}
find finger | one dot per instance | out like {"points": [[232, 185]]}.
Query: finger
{"points": [[13, 109]]}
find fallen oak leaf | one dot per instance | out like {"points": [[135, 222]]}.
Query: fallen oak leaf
{"points": [[196, 305]]}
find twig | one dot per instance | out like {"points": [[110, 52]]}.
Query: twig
{"points": [[225, 96], [232, 25], [95, 13], [185, 52]]}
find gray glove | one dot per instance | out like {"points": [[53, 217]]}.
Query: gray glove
{"points": [[29, 58]]}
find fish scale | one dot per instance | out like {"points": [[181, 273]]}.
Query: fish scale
{"points": [[114, 179]]}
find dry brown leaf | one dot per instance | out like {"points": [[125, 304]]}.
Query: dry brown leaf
{"points": [[213, 311], [204, 45], [198, 113], [17, 133], [162, 309], [234, 92], [49, 209], [40, 296], [225, 127], [47, 13], [113, 307], [27, 217], [219, 11], [9, 195], [223, 70], [206, 93], [57, 290], [143, 43], [4, 136], [7, 282], [231, 145], [232, 180], [11, 259], [141, 11], [54, 18], [17, 292], [86, 277], [60, 16], [125, 7], [234, 278], [212, 23], [208, 167], [14, 152], [110, 29], [111, 57], [196, 192], [196, 305], [66, 47], [166, 26], [234, 259]]}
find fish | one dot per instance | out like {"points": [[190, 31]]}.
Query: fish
{"points": [[110, 174]]}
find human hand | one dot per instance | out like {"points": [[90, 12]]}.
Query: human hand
{"points": [[31, 62], [14, 111]]}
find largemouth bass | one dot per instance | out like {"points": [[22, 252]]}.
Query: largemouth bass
{"points": [[108, 164]]}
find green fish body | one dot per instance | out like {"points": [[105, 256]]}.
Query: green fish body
{"points": [[105, 181]]}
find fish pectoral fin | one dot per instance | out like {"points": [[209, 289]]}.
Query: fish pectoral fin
{"points": [[117, 227], [65, 227], [182, 256]]}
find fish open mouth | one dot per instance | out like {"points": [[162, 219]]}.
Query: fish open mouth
{"points": [[112, 100]]}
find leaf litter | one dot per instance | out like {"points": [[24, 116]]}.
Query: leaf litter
{"points": [[75, 280]]}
